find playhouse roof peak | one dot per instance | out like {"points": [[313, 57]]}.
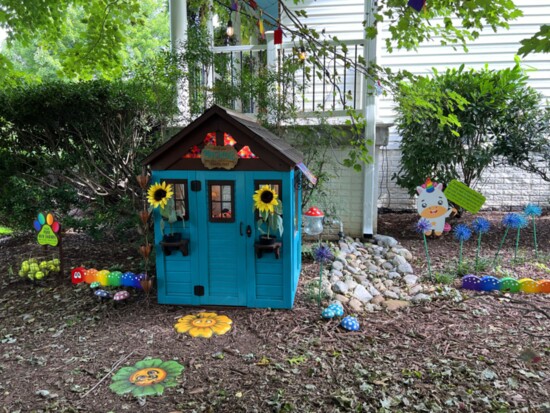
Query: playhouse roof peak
{"points": [[274, 152]]}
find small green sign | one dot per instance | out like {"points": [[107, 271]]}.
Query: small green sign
{"points": [[463, 196], [47, 228]]}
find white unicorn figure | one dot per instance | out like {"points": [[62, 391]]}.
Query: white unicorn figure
{"points": [[432, 204]]}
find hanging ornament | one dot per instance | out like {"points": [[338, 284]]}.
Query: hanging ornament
{"points": [[235, 5], [417, 4], [253, 4], [278, 35], [261, 26]]}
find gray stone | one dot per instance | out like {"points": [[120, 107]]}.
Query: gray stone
{"points": [[340, 287], [405, 268], [344, 247], [355, 305], [392, 275], [398, 260], [372, 268], [361, 279], [362, 294], [337, 265], [418, 298], [385, 240], [388, 266], [391, 294], [351, 284], [410, 279], [353, 270], [338, 273], [415, 289], [372, 290], [406, 254], [334, 279], [388, 283]]}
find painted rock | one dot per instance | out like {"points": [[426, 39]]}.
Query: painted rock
{"points": [[121, 295], [77, 275], [328, 313], [102, 294], [127, 279], [95, 284], [102, 277], [114, 279], [543, 286], [350, 323], [471, 282], [527, 285], [90, 276], [509, 284], [338, 310], [489, 283]]}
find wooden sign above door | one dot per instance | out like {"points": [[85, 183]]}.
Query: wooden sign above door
{"points": [[225, 157]]}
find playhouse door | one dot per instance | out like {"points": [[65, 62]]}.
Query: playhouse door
{"points": [[223, 234]]}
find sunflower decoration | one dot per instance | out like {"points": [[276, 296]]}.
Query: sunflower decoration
{"points": [[159, 194], [204, 325], [146, 378], [270, 209]]}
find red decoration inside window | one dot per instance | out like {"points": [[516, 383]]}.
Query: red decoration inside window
{"points": [[210, 139]]}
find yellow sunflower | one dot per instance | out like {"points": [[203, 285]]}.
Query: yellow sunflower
{"points": [[159, 194], [204, 325], [265, 199]]}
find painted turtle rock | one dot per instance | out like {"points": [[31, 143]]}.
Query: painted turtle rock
{"points": [[509, 284], [489, 283], [543, 286], [328, 313], [102, 294], [471, 282], [527, 285], [121, 295], [95, 284], [350, 323], [338, 310]]}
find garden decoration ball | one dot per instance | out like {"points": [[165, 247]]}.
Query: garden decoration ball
{"points": [[490, 283], [433, 206], [509, 284], [35, 270], [313, 221], [471, 282], [328, 313], [338, 310], [121, 295], [350, 323], [527, 285]]}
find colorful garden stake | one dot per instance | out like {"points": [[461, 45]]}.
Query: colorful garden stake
{"points": [[146, 378], [509, 284], [489, 283], [422, 226], [471, 282], [47, 229], [509, 221], [350, 323], [417, 4], [533, 211], [527, 285], [462, 233], [480, 226], [204, 325], [322, 255], [433, 206]]}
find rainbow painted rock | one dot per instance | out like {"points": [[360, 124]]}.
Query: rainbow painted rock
{"points": [[543, 286], [527, 285], [471, 282], [136, 280], [114, 279], [127, 279], [102, 277], [90, 276], [489, 283], [77, 275], [509, 284]]}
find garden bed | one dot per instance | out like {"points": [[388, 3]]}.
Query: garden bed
{"points": [[58, 342]]}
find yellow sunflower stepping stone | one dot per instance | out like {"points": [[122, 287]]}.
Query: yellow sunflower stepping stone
{"points": [[204, 325], [527, 285]]}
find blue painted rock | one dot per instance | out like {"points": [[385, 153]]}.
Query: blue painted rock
{"points": [[350, 323], [489, 283], [327, 313], [127, 279], [509, 284], [471, 282], [102, 294], [338, 310]]}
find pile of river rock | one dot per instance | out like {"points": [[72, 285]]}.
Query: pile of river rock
{"points": [[373, 276]]}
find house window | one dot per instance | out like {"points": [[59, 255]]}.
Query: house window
{"points": [[180, 198], [221, 197]]}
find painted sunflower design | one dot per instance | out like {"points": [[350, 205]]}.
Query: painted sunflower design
{"points": [[265, 199], [204, 325], [146, 377], [159, 194]]}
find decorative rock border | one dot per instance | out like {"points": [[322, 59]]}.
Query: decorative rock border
{"points": [[373, 276]]}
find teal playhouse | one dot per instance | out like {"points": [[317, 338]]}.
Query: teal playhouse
{"points": [[213, 255]]}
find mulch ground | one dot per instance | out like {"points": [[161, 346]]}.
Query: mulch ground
{"points": [[488, 352]]}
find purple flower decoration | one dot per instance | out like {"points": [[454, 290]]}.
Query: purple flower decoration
{"points": [[462, 232], [322, 254], [423, 225], [514, 221], [481, 225], [532, 210]]}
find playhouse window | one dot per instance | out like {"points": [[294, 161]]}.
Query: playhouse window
{"points": [[275, 186], [180, 197], [221, 201]]}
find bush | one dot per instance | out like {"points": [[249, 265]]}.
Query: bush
{"points": [[491, 107]]}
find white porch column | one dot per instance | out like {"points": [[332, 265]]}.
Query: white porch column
{"points": [[370, 171], [178, 38]]}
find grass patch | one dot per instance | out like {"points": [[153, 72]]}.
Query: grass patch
{"points": [[5, 231]]}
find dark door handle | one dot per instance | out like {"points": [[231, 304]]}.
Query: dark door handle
{"points": [[241, 229], [248, 231]]}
